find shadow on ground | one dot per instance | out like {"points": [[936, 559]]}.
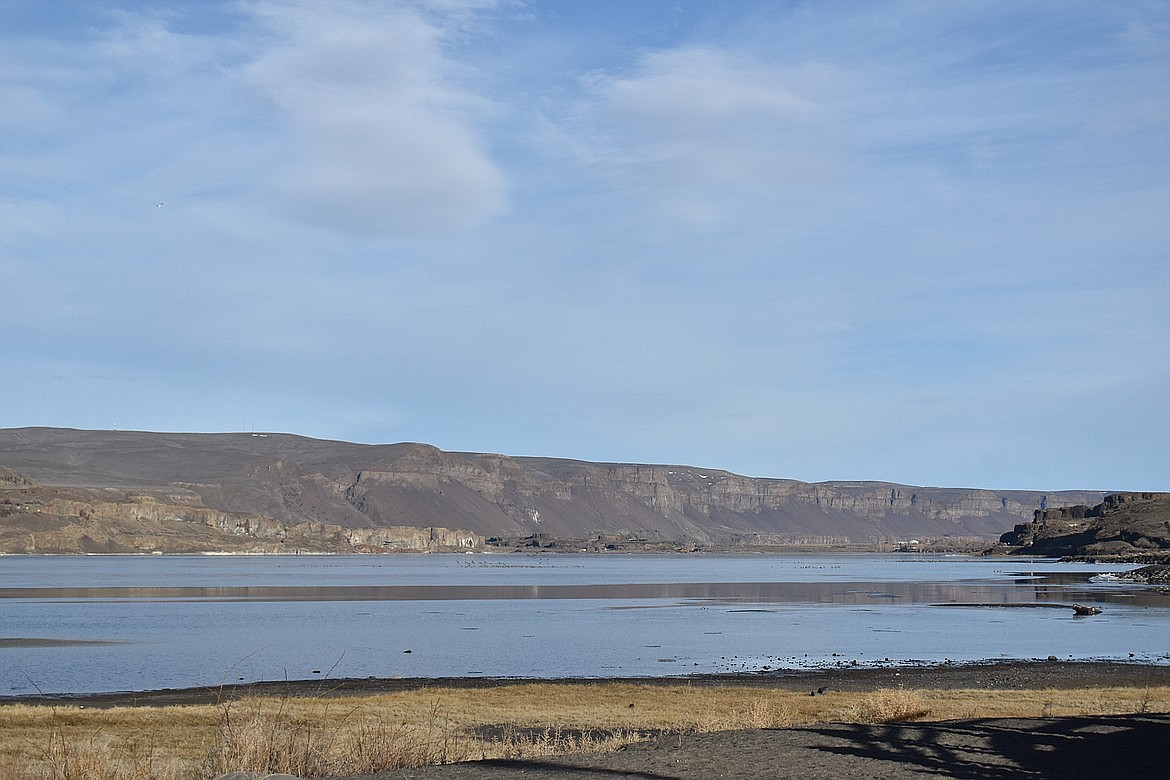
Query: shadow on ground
{"points": [[1091, 747]]}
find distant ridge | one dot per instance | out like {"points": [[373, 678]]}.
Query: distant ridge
{"points": [[273, 491]]}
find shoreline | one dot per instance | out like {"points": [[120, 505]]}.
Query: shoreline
{"points": [[976, 675]]}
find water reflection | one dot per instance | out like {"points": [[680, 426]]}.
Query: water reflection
{"points": [[22, 642], [1021, 590]]}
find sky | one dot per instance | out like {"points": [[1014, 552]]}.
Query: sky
{"points": [[923, 242]]}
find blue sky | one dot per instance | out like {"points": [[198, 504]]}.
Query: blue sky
{"points": [[924, 242]]}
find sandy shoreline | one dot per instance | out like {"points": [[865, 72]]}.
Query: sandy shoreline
{"points": [[1009, 675]]}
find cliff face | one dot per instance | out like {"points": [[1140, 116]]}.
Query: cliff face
{"points": [[1131, 525], [39, 519], [234, 481]]}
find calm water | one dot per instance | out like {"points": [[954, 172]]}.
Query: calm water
{"points": [[89, 624]]}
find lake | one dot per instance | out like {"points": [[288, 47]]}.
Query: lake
{"points": [[92, 624]]}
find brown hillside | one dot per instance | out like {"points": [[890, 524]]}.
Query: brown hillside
{"points": [[246, 481]]}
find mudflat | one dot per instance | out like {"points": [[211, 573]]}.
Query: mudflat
{"points": [[1011, 675]]}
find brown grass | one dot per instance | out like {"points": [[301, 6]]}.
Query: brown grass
{"points": [[266, 735], [315, 737], [889, 705]]}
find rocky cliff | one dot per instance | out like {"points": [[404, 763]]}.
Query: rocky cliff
{"points": [[40, 519], [265, 486], [1133, 526]]}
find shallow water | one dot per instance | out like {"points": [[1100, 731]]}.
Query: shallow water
{"points": [[90, 624]]}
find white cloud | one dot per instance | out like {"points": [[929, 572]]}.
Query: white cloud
{"points": [[698, 90], [699, 128], [386, 143]]}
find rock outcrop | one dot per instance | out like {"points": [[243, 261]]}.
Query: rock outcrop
{"points": [[40, 519], [273, 488], [1155, 574], [10, 479], [1133, 526]]}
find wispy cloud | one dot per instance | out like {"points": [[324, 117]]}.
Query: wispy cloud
{"points": [[385, 142], [702, 129]]}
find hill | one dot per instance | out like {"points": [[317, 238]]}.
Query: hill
{"points": [[115, 491], [1129, 526]]}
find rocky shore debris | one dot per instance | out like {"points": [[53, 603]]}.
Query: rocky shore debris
{"points": [[1158, 574]]}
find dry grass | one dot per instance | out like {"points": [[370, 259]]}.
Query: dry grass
{"points": [[889, 705], [282, 735], [127, 743], [316, 737]]}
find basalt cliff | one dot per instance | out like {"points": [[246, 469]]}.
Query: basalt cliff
{"points": [[1124, 526], [64, 490]]}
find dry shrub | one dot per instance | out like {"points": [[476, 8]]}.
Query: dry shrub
{"points": [[370, 745], [254, 738], [517, 742], [1145, 699], [889, 705], [258, 735], [767, 713], [373, 746], [71, 752], [266, 736]]}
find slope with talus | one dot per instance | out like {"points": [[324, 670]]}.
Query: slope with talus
{"points": [[294, 481]]}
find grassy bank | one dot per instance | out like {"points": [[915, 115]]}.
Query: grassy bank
{"points": [[323, 736]]}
